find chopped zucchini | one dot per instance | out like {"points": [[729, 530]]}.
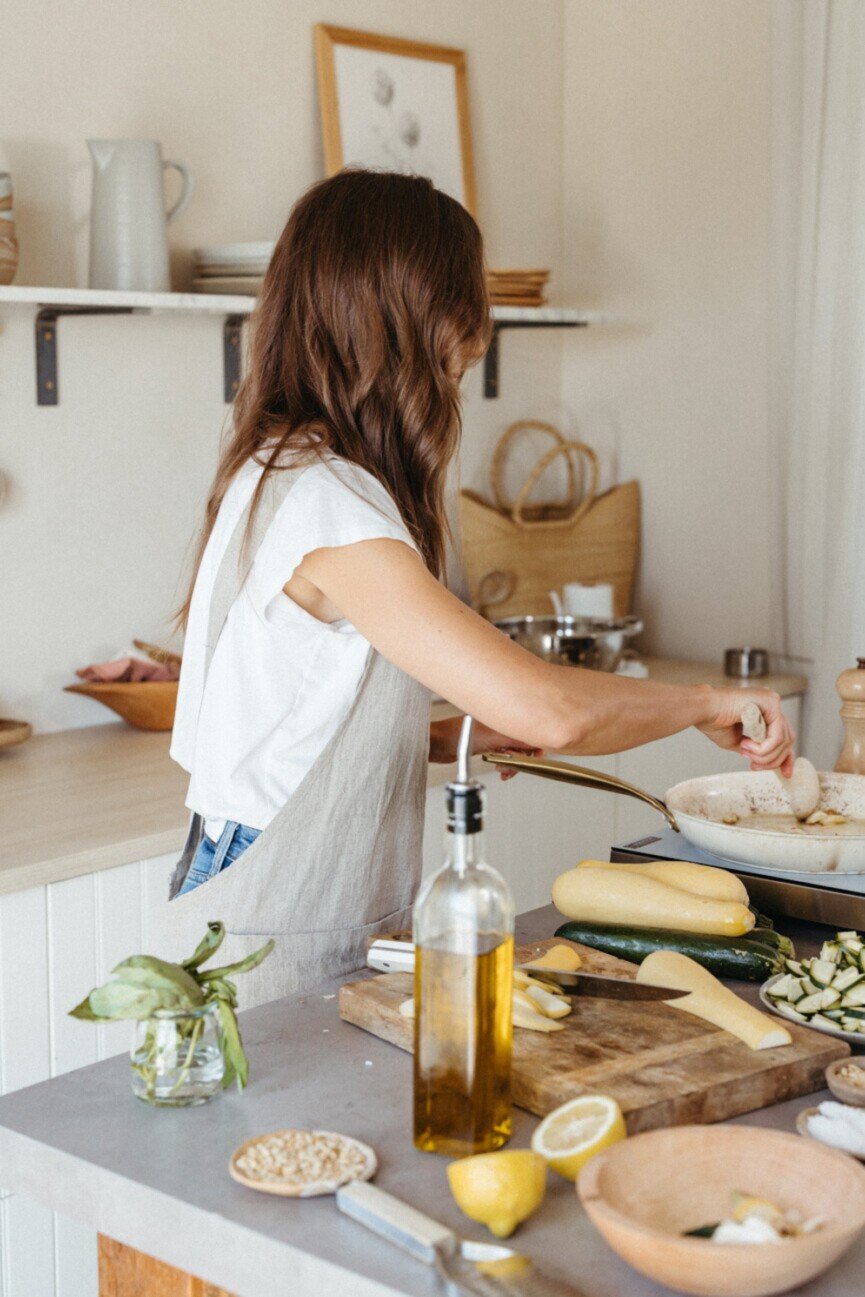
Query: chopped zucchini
{"points": [[811, 1003], [781, 989], [794, 967], [796, 990], [847, 936], [846, 978], [835, 1014], [819, 1021], [856, 1014], [855, 997], [821, 971], [809, 987], [830, 999], [789, 1012], [831, 951]]}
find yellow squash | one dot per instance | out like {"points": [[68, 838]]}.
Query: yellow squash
{"points": [[702, 880], [711, 1000], [615, 897]]}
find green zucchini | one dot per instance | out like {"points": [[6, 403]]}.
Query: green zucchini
{"points": [[739, 957], [776, 940]]}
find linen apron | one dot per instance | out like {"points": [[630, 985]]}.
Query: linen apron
{"points": [[342, 859]]}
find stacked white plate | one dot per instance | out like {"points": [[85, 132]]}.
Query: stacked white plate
{"points": [[231, 268]]}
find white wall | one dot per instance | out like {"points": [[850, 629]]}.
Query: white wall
{"points": [[624, 144], [666, 224], [103, 491]]}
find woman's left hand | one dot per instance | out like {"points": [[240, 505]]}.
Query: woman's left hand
{"points": [[444, 738]]}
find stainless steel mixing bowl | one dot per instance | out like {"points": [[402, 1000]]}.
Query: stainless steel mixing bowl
{"points": [[596, 642]]}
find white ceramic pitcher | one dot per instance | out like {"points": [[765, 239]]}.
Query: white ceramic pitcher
{"points": [[128, 237]]}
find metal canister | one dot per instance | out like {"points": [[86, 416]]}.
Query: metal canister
{"points": [[746, 663]]}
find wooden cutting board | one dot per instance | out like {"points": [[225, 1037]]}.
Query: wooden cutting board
{"points": [[665, 1067]]}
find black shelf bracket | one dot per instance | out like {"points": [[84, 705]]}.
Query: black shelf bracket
{"points": [[47, 381], [231, 336], [47, 388], [491, 359]]}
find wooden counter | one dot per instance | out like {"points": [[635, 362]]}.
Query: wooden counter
{"points": [[89, 799]]}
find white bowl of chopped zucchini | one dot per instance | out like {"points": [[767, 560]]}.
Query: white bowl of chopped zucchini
{"points": [[826, 992]]}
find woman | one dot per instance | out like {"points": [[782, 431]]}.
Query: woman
{"points": [[317, 624]]}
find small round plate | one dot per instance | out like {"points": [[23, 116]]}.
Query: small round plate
{"points": [[855, 1037], [313, 1189], [802, 1127], [844, 1091]]}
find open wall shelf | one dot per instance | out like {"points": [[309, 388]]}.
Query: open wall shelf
{"points": [[52, 304]]}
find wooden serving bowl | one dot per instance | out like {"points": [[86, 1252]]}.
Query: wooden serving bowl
{"points": [[642, 1193], [148, 704]]}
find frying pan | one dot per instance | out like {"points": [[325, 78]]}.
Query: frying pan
{"points": [[697, 809]]}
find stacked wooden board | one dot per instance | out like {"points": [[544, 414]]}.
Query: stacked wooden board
{"points": [[665, 1067], [517, 287]]}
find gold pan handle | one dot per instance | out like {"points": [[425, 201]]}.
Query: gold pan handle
{"points": [[565, 773]]}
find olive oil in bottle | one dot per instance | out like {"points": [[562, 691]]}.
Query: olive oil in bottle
{"points": [[464, 952]]}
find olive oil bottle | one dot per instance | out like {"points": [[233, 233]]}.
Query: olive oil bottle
{"points": [[464, 954]]}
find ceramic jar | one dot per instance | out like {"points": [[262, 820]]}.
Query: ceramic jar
{"points": [[8, 241]]}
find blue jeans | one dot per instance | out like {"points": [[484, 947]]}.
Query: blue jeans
{"points": [[212, 857]]}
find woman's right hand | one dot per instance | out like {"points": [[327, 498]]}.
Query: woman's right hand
{"points": [[724, 727]]}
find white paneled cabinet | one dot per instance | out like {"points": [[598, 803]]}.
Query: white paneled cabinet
{"points": [[56, 942]]}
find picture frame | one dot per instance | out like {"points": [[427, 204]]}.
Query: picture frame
{"points": [[395, 105]]}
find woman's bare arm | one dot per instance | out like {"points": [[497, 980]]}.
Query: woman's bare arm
{"points": [[383, 588]]}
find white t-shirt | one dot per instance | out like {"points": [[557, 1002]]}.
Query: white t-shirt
{"points": [[280, 682]]}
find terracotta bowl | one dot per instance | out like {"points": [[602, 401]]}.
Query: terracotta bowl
{"points": [[642, 1193], [148, 705]]}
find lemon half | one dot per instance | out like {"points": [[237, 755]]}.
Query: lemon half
{"points": [[499, 1189], [576, 1131]]}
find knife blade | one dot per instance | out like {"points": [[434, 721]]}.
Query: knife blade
{"points": [[594, 986], [388, 955]]}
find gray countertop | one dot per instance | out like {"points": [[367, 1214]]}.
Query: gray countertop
{"points": [[158, 1179]]}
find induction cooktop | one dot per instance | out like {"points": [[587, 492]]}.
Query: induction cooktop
{"points": [[833, 898]]}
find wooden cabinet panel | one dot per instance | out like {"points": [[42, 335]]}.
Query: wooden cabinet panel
{"points": [[123, 1272]]}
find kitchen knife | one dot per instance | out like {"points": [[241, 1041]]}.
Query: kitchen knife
{"points": [[466, 1268], [390, 956], [593, 986]]}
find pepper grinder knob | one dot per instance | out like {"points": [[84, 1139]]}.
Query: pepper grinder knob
{"points": [[851, 689]]}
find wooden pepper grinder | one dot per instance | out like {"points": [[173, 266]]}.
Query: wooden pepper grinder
{"points": [[851, 687]]}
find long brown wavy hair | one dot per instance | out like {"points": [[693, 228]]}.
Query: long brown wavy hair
{"points": [[373, 306]]}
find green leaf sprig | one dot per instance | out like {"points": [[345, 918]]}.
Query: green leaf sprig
{"points": [[145, 986]]}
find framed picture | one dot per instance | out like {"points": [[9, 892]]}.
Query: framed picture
{"points": [[395, 105]]}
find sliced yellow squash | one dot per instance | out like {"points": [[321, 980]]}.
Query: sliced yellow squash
{"points": [[563, 958], [532, 1020], [551, 1006]]}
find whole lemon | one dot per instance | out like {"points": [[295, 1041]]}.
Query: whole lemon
{"points": [[499, 1189]]}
